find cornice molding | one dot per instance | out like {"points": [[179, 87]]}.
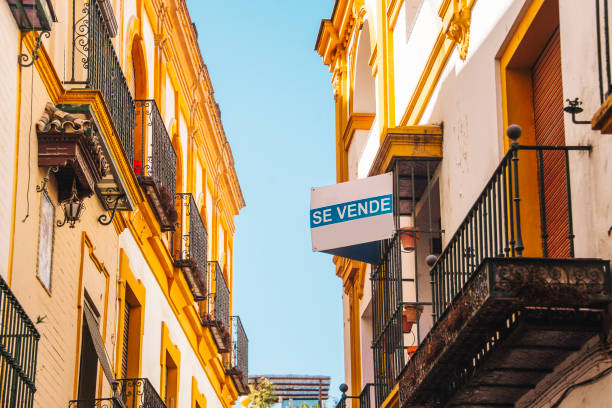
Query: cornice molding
{"points": [[357, 121], [407, 141], [185, 61], [334, 33]]}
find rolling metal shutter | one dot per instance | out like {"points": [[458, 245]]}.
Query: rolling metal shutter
{"points": [[550, 131]]}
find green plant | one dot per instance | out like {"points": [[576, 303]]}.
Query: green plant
{"points": [[262, 394]]}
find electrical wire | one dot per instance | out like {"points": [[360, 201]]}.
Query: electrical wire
{"points": [[581, 384], [29, 148]]}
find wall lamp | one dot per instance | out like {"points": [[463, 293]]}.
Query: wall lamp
{"points": [[73, 207], [33, 15], [574, 107]]}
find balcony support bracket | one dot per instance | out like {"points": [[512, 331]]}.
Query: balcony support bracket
{"points": [[102, 219], [24, 60]]}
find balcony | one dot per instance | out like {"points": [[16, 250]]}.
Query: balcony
{"points": [[237, 365], [155, 163], [190, 243], [215, 311], [18, 352], [502, 320], [139, 393], [92, 64], [400, 282]]}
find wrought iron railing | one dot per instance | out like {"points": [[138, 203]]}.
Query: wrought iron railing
{"points": [[18, 352], [365, 398], [95, 65], [387, 342], [391, 283], [139, 393], [190, 245], [96, 403], [156, 157], [239, 355], [492, 227], [219, 299]]}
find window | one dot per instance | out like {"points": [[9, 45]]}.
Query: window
{"points": [[171, 380], [170, 364], [45, 240], [131, 320]]}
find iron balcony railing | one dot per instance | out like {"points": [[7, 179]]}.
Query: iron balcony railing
{"points": [[387, 341], [18, 352], [214, 312], [391, 283], [156, 157], [238, 362], [155, 164], [219, 299], [139, 393], [190, 245], [94, 64], [492, 227], [365, 398], [97, 403]]}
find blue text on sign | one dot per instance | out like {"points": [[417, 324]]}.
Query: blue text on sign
{"points": [[352, 210]]}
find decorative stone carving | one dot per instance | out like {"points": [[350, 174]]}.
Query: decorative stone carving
{"points": [[459, 27]]}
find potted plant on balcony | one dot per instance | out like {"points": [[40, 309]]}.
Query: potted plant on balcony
{"points": [[410, 316], [227, 339], [409, 236], [167, 202], [410, 350]]}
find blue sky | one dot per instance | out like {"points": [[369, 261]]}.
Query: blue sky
{"points": [[277, 108]]}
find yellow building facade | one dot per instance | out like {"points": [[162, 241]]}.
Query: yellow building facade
{"points": [[428, 90], [117, 211]]}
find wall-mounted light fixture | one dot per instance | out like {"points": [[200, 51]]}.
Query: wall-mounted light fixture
{"points": [[574, 107], [73, 207], [33, 15]]}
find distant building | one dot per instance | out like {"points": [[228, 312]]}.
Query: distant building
{"points": [[496, 289], [117, 211]]}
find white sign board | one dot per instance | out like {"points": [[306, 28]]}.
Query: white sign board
{"points": [[352, 213]]}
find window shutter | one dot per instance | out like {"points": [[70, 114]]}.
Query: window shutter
{"points": [[550, 131], [94, 331]]}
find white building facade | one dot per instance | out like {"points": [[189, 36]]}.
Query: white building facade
{"points": [[427, 89]]}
